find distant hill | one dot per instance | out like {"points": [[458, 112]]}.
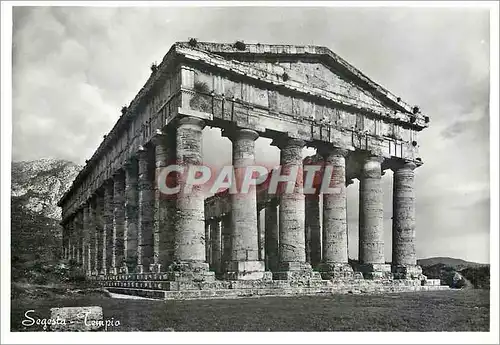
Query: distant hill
{"points": [[452, 262], [35, 231], [456, 273]]}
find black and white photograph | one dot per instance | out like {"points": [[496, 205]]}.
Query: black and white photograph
{"points": [[302, 172]]}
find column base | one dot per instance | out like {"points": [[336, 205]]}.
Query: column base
{"points": [[139, 269], [247, 270], [123, 269], [375, 271], [113, 270], [335, 270], [95, 273], [407, 272], [103, 272], [192, 271], [296, 271]]}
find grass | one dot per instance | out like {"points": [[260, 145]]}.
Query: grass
{"points": [[465, 310]]}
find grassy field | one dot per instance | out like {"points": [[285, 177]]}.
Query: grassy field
{"points": [[465, 310]]}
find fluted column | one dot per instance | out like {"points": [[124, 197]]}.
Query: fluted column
{"points": [[145, 209], [245, 263], [189, 261], [131, 214], [71, 240], [117, 263], [404, 259], [100, 239], [79, 236], [87, 233], [371, 219], [107, 229], [164, 205], [271, 235], [215, 238], [94, 239], [226, 240], [312, 214], [292, 246], [334, 263]]}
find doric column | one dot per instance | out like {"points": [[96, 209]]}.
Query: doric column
{"points": [[107, 229], [312, 214], [261, 237], [164, 205], [335, 261], [272, 235], [404, 259], [70, 239], [371, 219], [131, 215], [117, 256], [100, 239], [94, 238], [145, 204], [86, 258], [292, 246], [226, 240], [215, 239], [189, 261], [244, 262], [79, 236]]}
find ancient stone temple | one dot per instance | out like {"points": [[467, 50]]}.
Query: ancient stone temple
{"points": [[131, 238]]}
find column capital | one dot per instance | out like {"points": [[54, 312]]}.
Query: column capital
{"points": [[283, 142], [325, 149], [191, 121], [373, 158], [400, 164], [240, 133]]}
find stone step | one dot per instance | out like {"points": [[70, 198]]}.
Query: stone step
{"points": [[238, 293]]}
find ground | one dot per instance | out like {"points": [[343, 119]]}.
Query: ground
{"points": [[454, 310]]}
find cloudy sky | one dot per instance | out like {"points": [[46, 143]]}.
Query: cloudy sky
{"points": [[74, 67]]}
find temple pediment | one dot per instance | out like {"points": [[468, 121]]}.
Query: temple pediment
{"points": [[313, 71]]}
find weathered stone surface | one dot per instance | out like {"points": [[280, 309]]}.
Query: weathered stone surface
{"points": [[131, 215], [145, 204], [118, 263], [94, 238], [100, 241], [164, 205], [215, 226], [107, 230], [77, 319], [244, 234], [226, 240], [189, 237], [292, 254], [335, 249], [403, 218], [371, 216], [85, 238], [272, 236]]}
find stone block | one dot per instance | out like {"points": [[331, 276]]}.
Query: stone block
{"points": [[77, 319], [407, 272], [336, 270], [247, 270]]}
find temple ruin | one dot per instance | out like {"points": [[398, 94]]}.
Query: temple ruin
{"points": [[131, 239]]}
